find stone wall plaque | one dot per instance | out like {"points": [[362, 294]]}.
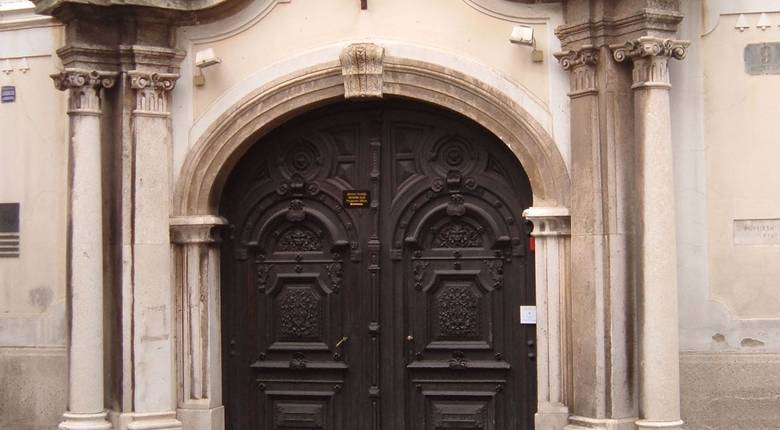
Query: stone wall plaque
{"points": [[757, 232], [762, 58]]}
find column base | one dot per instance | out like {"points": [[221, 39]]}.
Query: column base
{"points": [[551, 416], [154, 421], [650, 424], [202, 419], [74, 421], [586, 423]]}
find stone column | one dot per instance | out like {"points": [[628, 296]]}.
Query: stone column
{"points": [[551, 232], [153, 298], [196, 261], [659, 380], [86, 410]]}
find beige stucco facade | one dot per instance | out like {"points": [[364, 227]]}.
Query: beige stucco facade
{"points": [[648, 146]]}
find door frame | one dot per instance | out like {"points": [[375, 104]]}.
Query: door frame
{"points": [[196, 224]]}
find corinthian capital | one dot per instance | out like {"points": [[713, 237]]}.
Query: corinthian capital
{"points": [[587, 55], [582, 65], [152, 91], [647, 46], [84, 86], [651, 59]]}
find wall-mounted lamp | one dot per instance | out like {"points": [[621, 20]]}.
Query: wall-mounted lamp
{"points": [[203, 59], [524, 35]]}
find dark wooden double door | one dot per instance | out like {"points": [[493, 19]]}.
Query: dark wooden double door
{"points": [[400, 313]]}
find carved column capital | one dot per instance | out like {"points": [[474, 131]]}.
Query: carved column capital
{"points": [[362, 65], [152, 91], [85, 87], [552, 221], [582, 65], [196, 229], [650, 56]]}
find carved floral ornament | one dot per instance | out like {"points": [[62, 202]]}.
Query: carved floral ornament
{"points": [[84, 86], [650, 47], [362, 68], [152, 89], [587, 55]]}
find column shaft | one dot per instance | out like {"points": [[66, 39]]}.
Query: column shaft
{"points": [[659, 379], [85, 249]]}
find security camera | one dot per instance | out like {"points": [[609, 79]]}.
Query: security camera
{"points": [[523, 35], [206, 58]]}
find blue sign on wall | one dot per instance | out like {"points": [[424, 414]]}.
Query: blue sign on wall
{"points": [[8, 93]]}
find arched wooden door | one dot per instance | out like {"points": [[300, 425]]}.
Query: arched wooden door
{"points": [[374, 274]]}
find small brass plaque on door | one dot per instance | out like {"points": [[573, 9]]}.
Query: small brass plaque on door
{"points": [[356, 199]]}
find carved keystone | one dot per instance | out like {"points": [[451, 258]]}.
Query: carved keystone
{"points": [[362, 67]]}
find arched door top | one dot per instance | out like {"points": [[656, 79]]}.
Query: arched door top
{"points": [[214, 155]]}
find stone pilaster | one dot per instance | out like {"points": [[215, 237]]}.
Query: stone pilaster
{"points": [[153, 304], [86, 409], [196, 259], [551, 232], [659, 381]]}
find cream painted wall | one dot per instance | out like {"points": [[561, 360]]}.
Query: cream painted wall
{"points": [[275, 37], [726, 152], [33, 173]]}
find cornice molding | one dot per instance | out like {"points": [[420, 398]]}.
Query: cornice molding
{"points": [[612, 30]]}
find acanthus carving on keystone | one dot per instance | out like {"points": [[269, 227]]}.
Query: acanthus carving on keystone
{"points": [[85, 87], [362, 68], [152, 91]]}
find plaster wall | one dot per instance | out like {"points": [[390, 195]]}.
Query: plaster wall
{"points": [[273, 38], [724, 123], [33, 168]]}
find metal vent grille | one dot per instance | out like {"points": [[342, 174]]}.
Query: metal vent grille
{"points": [[9, 230]]}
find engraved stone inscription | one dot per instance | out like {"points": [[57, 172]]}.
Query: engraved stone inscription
{"points": [[757, 232], [762, 58]]}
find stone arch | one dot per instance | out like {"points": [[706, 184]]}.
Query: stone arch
{"points": [[211, 159]]}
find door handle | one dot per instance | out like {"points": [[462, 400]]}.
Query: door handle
{"points": [[409, 348], [341, 342]]}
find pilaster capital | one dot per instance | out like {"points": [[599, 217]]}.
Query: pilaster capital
{"points": [[647, 46], [549, 221], [650, 56], [362, 66], [581, 63], [196, 229], [152, 90], [84, 86], [587, 55]]}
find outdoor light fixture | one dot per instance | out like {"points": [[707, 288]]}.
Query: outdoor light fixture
{"points": [[203, 59], [524, 35]]}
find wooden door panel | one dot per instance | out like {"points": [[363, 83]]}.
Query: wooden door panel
{"points": [[401, 315]]}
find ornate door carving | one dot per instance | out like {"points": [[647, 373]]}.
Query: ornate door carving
{"points": [[401, 315]]}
